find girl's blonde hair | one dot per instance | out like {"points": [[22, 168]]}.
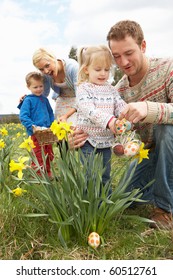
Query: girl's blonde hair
{"points": [[42, 53], [93, 55]]}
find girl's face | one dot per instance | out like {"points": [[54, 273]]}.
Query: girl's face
{"points": [[97, 73], [36, 87]]}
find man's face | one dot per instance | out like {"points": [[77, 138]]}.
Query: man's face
{"points": [[128, 55]]}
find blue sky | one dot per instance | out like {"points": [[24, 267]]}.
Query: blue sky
{"points": [[60, 24]]}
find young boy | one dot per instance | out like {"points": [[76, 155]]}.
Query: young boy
{"points": [[35, 110]]}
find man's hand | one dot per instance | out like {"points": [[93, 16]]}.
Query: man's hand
{"points": [[77, 138], [134, 112]]}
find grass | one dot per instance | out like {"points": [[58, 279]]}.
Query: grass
{"points": [[29, 239], [24, 238]]}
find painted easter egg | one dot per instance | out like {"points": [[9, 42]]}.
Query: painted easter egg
{"points": [[122, 126], [94, 240], [128, 125], [118, 149], [131, 149]]}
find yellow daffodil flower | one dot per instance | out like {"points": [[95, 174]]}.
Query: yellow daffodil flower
{"points": [[18, 191], [3, 131], [66, 126], [2, 144], [27, 144], [18, 166], [143, 153], [61, 129], [18, 135]]}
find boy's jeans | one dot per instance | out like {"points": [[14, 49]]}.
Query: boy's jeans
{"points": [[159, 167]]}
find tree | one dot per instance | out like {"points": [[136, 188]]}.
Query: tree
{"points": [[73, 53], [117, 75]]}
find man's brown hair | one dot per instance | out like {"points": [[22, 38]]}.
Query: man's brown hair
{"points": [[126, 28]]}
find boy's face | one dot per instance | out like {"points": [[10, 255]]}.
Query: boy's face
{"points": [[36, 87]]}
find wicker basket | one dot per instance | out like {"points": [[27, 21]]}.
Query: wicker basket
{"points": [[45, 137]]}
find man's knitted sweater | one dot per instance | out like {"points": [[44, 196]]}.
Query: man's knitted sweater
{"points": [[156, 88]]}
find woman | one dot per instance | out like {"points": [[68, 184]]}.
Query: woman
{"points": [[60, 75]]}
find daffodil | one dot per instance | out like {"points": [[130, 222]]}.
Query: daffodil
{"points": [[66, 126], [142, 153], [18, 135], [61, 129], [55, 127], [18, 191], [2, 144], [3, 131], [27, 144], [18, 166]]}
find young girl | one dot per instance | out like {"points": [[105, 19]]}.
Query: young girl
{"points": [[35, 110], [98, 103]]}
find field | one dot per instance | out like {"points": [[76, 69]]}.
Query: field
{"points": [[50, 219]]}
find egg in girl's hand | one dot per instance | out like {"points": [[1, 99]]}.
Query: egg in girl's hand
{"points": [[94, 240], [118, 149], [131, 148], [128, 125], [122, 125]]}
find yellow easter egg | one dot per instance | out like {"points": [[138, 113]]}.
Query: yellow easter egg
{"points": [[94, 240]]}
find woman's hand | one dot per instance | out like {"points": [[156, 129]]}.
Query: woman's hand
{"points": [[77, 138], [22, 98]]}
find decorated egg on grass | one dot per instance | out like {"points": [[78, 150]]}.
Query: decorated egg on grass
{"points": [[131, 148], [118, 149], [94, 240]]}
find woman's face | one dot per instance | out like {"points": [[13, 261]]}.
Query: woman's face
{"points": [[47, 67]]}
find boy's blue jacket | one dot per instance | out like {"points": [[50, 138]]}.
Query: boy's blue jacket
{"points": [[35, 110]]}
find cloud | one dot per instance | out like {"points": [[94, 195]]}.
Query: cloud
{"points": [[20, 36], [58, 25], [89, 23]]}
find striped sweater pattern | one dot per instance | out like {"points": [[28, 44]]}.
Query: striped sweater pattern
{"points": [[156, 89], [96, 105]]}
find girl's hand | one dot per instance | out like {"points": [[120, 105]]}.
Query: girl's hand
{"points": [[62, 118]]}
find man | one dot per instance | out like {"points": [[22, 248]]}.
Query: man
{"points": [[147, 87]]}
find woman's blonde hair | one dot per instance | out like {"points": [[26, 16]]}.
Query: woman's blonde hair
{"points": [[93, 54], [42, 53]]}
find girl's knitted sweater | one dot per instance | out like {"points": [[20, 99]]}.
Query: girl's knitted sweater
{"points": [[96, 104], [156, 89]]}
